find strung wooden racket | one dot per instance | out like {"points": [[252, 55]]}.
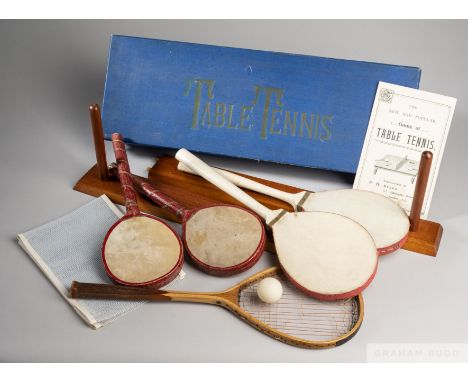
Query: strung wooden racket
{"points": [[139, 249], [221, 240], [295, 319], [385, 220], [326, 255]]}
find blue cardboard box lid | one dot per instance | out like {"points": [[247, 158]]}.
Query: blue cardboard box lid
{"points": [[286, 108]]}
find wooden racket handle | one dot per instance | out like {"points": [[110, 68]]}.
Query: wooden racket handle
{"points": [[125, 176], [121, 292]]}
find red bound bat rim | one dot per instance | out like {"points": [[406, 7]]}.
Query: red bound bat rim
{"points": [[160, 281], [332, 297], [393, 247], [233, 269]]}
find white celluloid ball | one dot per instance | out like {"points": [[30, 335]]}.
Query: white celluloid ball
{"points": [[269, 290]]}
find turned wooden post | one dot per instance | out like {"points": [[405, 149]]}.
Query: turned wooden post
{"points": [[420, 189], [98, 137]]}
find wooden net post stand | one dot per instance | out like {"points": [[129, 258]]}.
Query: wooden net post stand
{"points": [[98, 137], [420, 190], [424, 236]]}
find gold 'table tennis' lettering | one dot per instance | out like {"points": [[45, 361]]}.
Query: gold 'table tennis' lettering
{"points": [[268, 102]]}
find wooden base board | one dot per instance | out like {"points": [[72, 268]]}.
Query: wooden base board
{"points": [[193, 191]]}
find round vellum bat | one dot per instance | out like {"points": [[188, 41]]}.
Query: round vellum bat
{"points": [[326, 255], [385, 220], [221, 240], [139, 249]]}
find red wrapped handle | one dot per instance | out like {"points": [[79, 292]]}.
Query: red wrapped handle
{"points": [[159, 197], [146, 188], [125, 177]]}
